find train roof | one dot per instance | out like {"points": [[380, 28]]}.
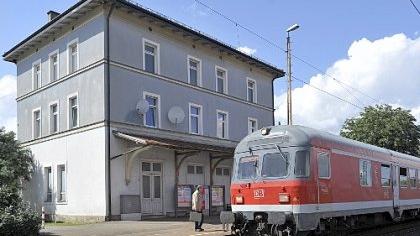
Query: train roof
{"points": [[296, 135]]}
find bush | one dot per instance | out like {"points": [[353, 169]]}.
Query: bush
{"points": [[19, 220]]}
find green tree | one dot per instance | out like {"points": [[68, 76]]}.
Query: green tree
{"points": [[16, 165], [387, 127]]}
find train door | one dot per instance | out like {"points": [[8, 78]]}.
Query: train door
{"points": [[395, 185], [324, 177]]}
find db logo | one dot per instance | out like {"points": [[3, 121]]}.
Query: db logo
{"points": [[258, 193]]}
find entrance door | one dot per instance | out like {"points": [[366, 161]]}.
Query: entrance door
{"points": [[151, 186], [324, 177], [396, 186]]}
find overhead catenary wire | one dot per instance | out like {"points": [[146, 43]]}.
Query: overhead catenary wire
{"points": [[282, 49], [415, 7]]}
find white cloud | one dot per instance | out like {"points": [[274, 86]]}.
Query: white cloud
{"points": [[386, 69], [246, 50], [8, 102], [195, 10]]}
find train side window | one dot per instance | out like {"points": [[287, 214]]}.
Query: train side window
{"points": [[403, 177], [412, 176], [324, 165], [365, 170], [385, 175], [418, 178], [302, 164]]}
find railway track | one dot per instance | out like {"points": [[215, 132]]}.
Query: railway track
{"points": [[408, 228]]}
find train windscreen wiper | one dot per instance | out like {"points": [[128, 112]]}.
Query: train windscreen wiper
{"points": [[282, 154]]}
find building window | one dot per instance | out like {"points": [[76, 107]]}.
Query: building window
{"points": [[195, 169], [365, 172], [196, 119], [73, 112], [54, 118], [36, 75], [413, 177], [73, 56], [152, 116], [61, 183], [48, 184], [251, 90], [37, 123], [222, 171], [194, 71], [403, 177], [252, 125], [54, 67], [221, 80], [222, 124], [324, 165], [385, 175], [150, 56]]}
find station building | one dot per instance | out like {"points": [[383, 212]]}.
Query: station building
{"points": [[121, 105]]}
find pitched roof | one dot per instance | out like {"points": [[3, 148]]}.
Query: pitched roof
{"points": [[83, 6]]}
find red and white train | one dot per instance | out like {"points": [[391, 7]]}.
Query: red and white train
{"points": [[294, 180]]}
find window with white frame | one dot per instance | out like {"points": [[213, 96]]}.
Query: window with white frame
{"points": [[221, 80], [252, 125], [48, 180], [36, 70], [150, 56], [73, 56], [151, 118], [365, 172], [385, 175], [61, 183], [54, 118], [196, 119], [73, 112], [36, 123], [54, 67], [251, 90], [413, 177], [194, 71], [222, 124], [222, 171], [324, 165]]}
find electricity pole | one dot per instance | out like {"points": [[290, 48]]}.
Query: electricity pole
{"points": [[289, 75]]}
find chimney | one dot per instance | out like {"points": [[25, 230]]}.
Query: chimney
{"points": [[52, 15]]}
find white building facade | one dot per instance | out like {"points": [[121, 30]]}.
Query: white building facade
{"points": [[120, 105]]}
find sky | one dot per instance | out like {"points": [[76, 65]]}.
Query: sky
{"points": [[365, 52]]}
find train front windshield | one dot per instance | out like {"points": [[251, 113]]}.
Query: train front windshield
{"points": [[273, 165]]}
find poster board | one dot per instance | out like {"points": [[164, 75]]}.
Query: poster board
{"points": [[217, 196], [184, 196]]}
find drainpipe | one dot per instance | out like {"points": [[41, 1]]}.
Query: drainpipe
{"points": [[108, 113], [272, 100]]}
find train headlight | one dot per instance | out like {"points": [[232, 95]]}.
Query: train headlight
{"points": [[284, 198], [265, 131], [239, 199]]}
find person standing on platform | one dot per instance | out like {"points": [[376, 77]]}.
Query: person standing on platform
{"points": [[197, 206]]}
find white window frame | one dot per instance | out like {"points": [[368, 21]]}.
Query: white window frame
{"points": [[157, 54], [225, 87], [45, 189], [226, 124], [69, 110], [145, 94], [58, 116], [329, 164], [199, 72], [50, 62], [255, 91], [368, 174], [256, 124], [70, 44], [33, 122], [37, 63], [59, 184], [200, 118]]}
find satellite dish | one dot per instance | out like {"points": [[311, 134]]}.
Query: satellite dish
{"points": [[176, 115], [142, 106]]}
